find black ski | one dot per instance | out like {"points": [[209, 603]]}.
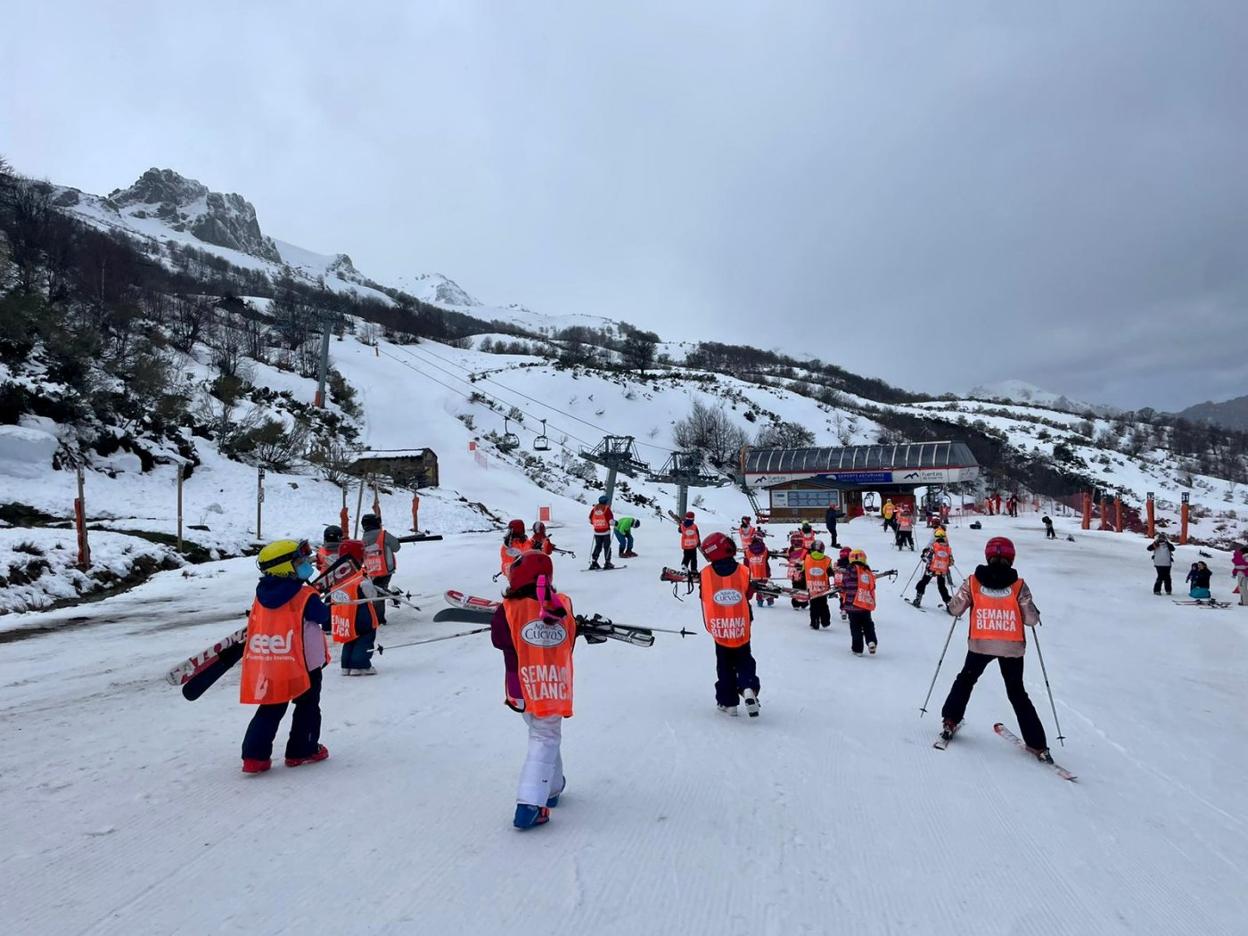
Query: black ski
{"points": [[464, 615], [198, 684], [1211, 603], [604, 568]]}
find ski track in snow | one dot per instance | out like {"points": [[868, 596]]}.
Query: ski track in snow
{"points": [[830, 813]]}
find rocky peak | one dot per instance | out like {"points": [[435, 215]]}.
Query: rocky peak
{"points": [[342, 267], [226, 220]]}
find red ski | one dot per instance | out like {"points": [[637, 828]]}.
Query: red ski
{"points": [[1018, 742], [184, 672], [457, 599]]}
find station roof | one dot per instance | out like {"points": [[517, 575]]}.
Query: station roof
{"points": [[903, 456]]}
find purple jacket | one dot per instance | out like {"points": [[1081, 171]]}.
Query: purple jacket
{"points": [[500, 637]]}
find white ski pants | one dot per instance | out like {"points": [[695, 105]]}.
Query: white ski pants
{"points": [[541, 777], [1242, 582]]}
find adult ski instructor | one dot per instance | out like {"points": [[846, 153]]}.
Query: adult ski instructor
{"points": [[1000, 606], [601, 519]]}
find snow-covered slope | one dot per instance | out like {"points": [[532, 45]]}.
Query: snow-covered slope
{"points": [[1019, 391]]}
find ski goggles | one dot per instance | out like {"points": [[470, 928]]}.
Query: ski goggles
{"points": [[302, 552]]}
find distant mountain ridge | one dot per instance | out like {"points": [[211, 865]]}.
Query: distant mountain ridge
{"points": [[1019, 391], [1232, 414]]}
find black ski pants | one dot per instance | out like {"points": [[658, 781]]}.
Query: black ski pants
{"points": [[942, 583], [861, 628], [1163, 578], [381, 581], [358, 653], [800, 583], [689, 559], [736, 672], [1012, 673], [905, 538], [1050, 533], [820, 616], [602, 543], [305, 725]]}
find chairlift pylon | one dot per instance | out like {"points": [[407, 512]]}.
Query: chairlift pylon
{"points": [[510, 440], [542, 442]]}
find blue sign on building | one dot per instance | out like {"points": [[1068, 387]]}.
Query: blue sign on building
{"points": [[863, 477]]}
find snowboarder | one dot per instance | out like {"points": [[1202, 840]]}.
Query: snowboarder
{"points": [[1049, 532], [535, 629], [797, 571], [689, 540], [1163, 559], [379, 562], [515, 544], [817, 568], [540, 540], [1239, 572], [1000, 605], [726, 612], [624, 527], [859, 592], [758, 561], [1200, 578], [601, 518], [829, 520], [905, 529], [284, 654], [939, 559]]}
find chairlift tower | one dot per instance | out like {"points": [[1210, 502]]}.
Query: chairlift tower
{"points": [[685, 470], [618, 454]]}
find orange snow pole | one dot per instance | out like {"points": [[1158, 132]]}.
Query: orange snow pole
{"points": [[80, 522], [1152, 522], [1086, 524], [1183, 521], [415, 512], [1118, 513], [1104, 505]]}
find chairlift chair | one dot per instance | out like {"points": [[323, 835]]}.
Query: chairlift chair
{"points": [[542, 442], [510, 440]]}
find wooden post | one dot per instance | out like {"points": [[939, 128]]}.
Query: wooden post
{"points": [[180, 508], [415, 512], [1152, 523], [359, 506], [343, 516], [1118, 513], [1183, 513], [1086, 522], [376, 502], [259, 499], [1104, 504], [80, 521]]}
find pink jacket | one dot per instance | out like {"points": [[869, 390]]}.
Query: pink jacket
{"points": [[1239, 563]]}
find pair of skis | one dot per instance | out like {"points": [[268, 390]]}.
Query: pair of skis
{"points": [[1205, 603], [469, 608], [766, 589], [942, 742]]}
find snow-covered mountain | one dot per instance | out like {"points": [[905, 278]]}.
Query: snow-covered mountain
{"points": [[1019, 391]]}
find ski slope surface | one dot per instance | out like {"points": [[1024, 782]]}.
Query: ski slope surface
{"points": [[125, 810]]}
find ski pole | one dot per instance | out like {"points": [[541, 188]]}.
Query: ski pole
{"points": [[379, 649], [398, 596], [1060, 737], [906, 587], [939, 663]]}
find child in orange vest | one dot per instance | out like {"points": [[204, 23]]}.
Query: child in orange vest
{"points": [[689, 540], [283, 657], [535, 629], [602, 519], [859, 591], [1000, 607], [758, 561], [818, 571], [939, 559], [726, 612]]}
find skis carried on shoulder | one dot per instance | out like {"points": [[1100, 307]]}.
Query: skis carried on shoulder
{"points": [[203, 669], [945, 736], [1018, 742]]}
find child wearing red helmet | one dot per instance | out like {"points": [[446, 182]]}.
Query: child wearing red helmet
{"points": [[1000, 606], [534, 627], [726, 612]]}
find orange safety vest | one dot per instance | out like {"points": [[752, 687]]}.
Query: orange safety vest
{"points": [[375, 563], [808, 540], [689, 537], [996, 615], [864, 598], [508, 554], [817, 582], [747, 534], [757, 565], [544, 544], [726, 606], [796, 558], [600, 518], [274, 667], [543, 656], [905, 522], [325, 557], [342, 615], [942, 558]]}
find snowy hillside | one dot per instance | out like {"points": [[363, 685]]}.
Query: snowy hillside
{"points": [[1019, 391]]}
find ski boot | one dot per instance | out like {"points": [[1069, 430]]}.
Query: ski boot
{"points": [[609, 565], [918, 599], [369, 670], [553, 801], [759, 600], [871, 648], [255, 765], [322, 752], [771, 602], [594, 565], [751, 702], [730, 710], [529, 816], [1044, 756], [947, 729]]}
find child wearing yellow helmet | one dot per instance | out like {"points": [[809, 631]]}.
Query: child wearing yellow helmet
{"points": [[858, 596]]}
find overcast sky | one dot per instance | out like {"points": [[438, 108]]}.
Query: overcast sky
{"points": [[939, 194]]}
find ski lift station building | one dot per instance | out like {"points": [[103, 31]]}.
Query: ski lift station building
{"points": [[802, 483], [406, 468]]}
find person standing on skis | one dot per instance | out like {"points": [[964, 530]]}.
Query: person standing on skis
{"points": [[1000, 606], [758, 561], [689, 542], [624, 527], [540, 540], [905, 529], [283, 657], [818, 571], [726, 612], [601, 518], [939, 559], [887, 512], [515, 544], [535, 629], [1239, 572], [1163, 559], [859, 597]]}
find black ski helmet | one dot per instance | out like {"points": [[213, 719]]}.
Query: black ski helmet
{"points": [[370, 521], [332, 534]]}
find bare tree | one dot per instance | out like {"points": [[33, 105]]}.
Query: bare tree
{"points": [[187, 321], [711, 431]]}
